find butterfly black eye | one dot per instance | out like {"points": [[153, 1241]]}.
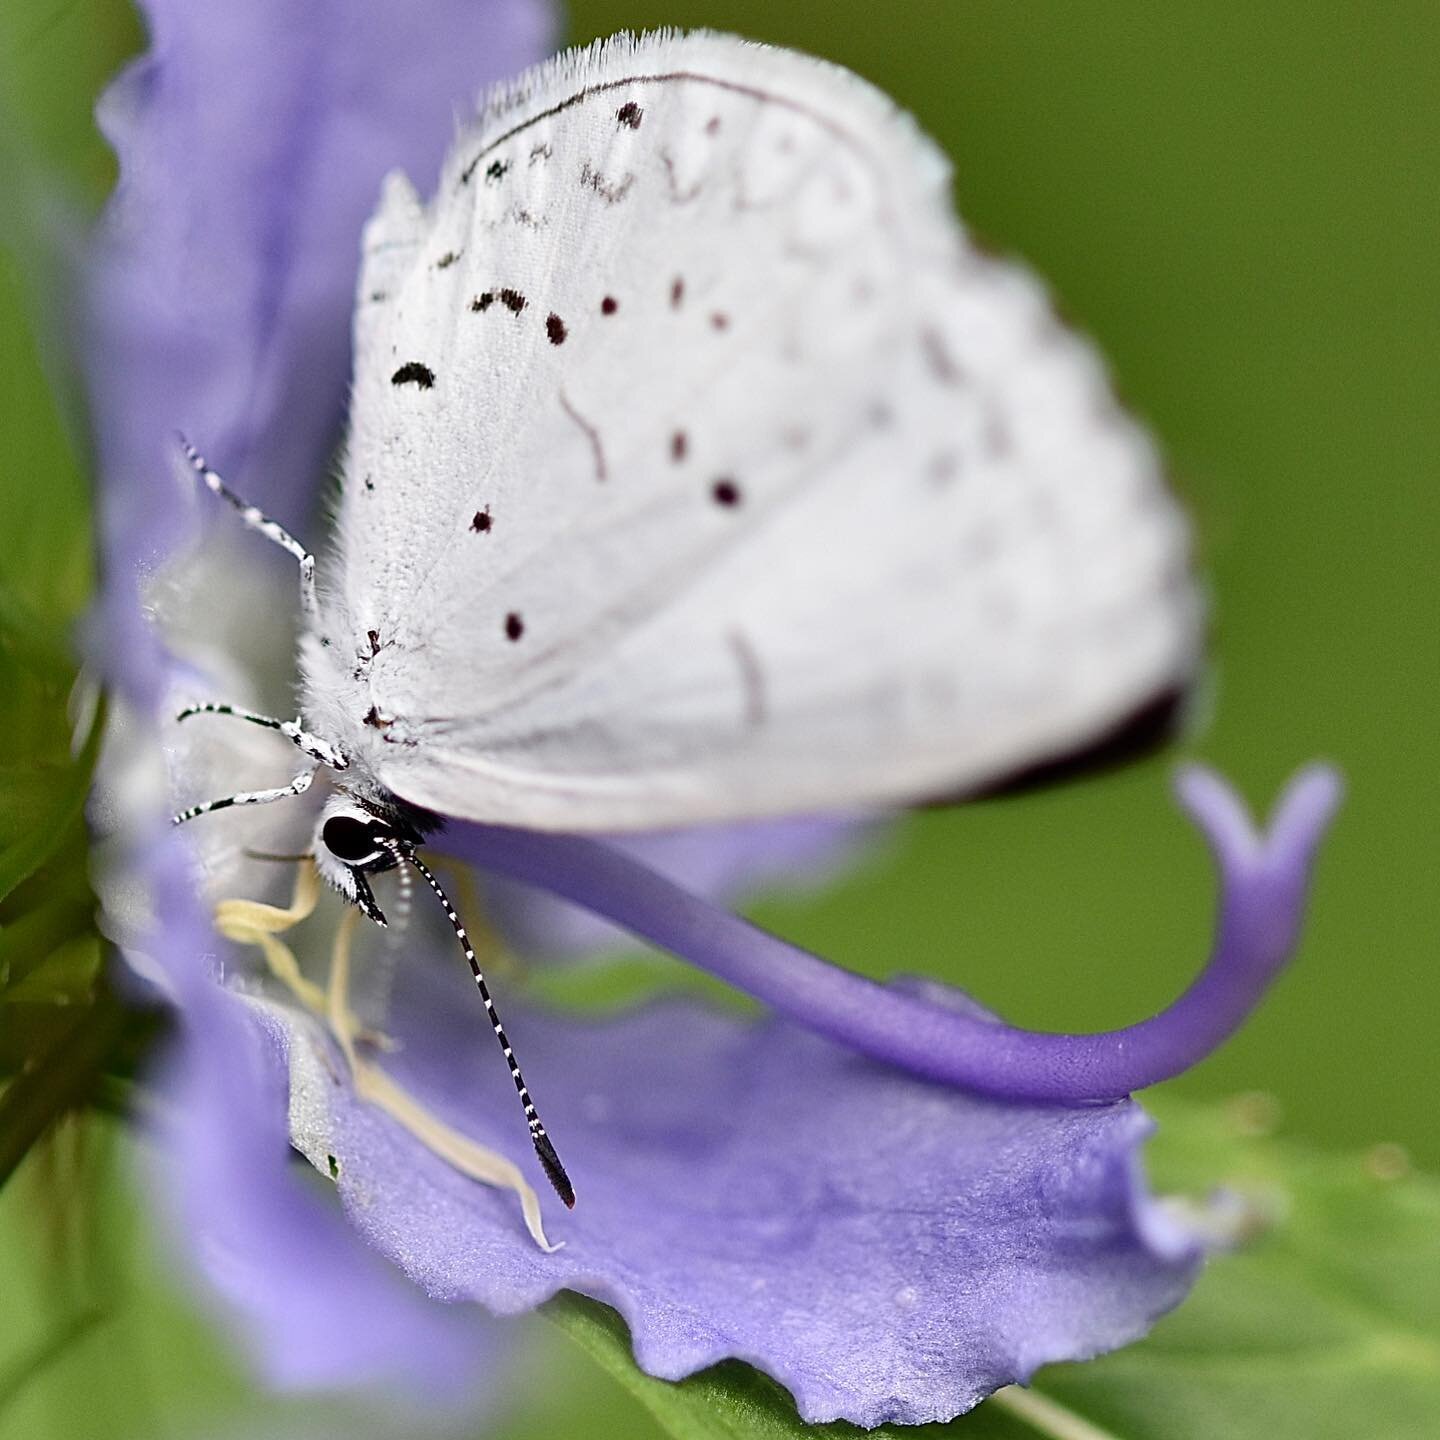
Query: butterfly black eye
{"points": [[353, 841]]}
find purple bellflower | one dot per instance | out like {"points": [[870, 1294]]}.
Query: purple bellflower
{"points": [[883, 1196]]}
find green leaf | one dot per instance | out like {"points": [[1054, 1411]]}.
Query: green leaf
{"points": [[1324, 1326], [19, 1372], [58, 1076]]}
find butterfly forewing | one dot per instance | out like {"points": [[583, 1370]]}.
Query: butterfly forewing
{"points": [[701, 468]]}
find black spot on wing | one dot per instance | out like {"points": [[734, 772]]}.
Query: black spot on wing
{"points": [[496, 170], [677, 292], [612, 192], [412, 372], [679, 446], [630, 114], [725, 492], [996, 435], [447, 260], [512, 300], [942, 364], [514, 626], [482, 522], [609, 305], [555, 329], [944, 467]]}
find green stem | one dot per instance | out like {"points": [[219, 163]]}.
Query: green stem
{"points": [[57, 1079]]}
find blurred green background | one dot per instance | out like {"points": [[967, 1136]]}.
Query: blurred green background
{"points": [[1240, 203]]}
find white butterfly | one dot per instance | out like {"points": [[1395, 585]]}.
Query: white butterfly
{"points": [[700, 467]]}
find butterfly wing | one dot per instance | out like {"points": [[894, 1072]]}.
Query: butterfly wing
{"points": [[702, 468]]}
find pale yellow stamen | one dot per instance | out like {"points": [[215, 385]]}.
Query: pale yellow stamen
{"points": [[248, 922]]}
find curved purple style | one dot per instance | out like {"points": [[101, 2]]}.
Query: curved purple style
{"points": [[724, 864], [1264, 880]]}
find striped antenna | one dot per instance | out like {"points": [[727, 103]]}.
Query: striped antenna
{"points": [[549, 1160]]}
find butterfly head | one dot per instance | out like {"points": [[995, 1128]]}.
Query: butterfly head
{"points": [[354, 840]]}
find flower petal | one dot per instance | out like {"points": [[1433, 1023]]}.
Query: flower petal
{"points": [[889, 1249], [252, 140]]}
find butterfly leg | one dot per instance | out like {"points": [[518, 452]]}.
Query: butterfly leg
{"points": [[292, 730], [298, 785], [257, 520]]}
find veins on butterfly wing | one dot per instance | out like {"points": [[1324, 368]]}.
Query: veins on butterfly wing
{"points": [[597, 449], [752, 676]]}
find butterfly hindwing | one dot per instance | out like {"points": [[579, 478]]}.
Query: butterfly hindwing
{"points": [[700, 467]]}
